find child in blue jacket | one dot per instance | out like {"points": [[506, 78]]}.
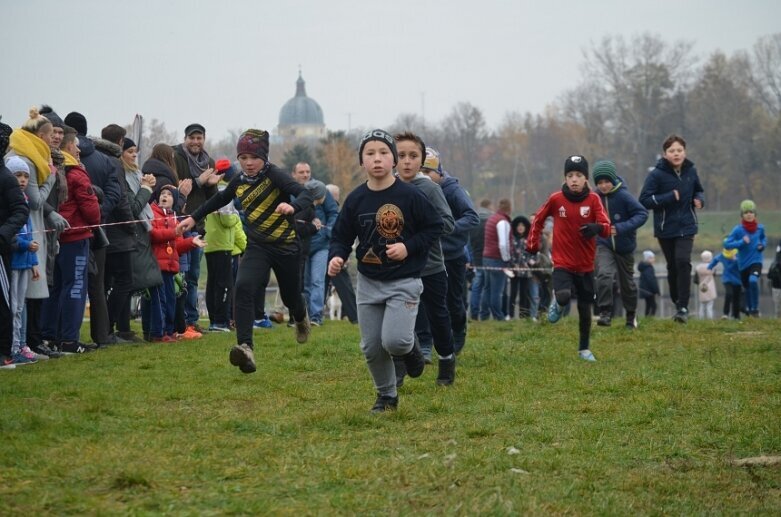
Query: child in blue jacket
{"points": [[749, 239], [730, 277]]}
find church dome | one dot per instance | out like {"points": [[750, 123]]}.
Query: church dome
{"points": [[301, 109]]}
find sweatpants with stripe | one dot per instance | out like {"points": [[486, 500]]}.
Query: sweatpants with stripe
{"points": [[63, 312], [386, 315]]}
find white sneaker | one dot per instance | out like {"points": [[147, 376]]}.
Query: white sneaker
{"points": [[586, 355]]}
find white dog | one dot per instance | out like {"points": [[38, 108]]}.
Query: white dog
{"points": [[334, 305]]}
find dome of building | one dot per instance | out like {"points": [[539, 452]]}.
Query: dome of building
{"points": [[301, 110]]}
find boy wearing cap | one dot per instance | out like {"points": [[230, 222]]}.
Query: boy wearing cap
{"points": [[395, 226], [454, 243], [24, 268], [615, 254], [749, 239], [578, 217], [264, 191]]}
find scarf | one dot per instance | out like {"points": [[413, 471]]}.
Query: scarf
{"points": [[198, 163], [750, 227], [254, 179], [575, 198], [70, 160], [133, 177], [34, 149]]}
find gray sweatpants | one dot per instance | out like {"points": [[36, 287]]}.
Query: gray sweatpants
{"points": [[386, 315], [20, 279], [608, 265]]}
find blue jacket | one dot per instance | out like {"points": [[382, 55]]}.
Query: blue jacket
{"points": [[465, 218], [327, 213], [648, 284], [731, 273], [748, 253], [22, 257], [672, 218], [626, 214]]}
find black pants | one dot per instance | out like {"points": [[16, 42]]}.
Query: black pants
{"points": [[119, 284], [96, 290], [258, 260], [568, 285], [456, 304], [6, 321], [677, 253], [732, 300], [344, 288], [219, 286], [34, 337], [519, 295], [650, 305], [434, 317]]}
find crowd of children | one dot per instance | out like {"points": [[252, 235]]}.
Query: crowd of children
{"points": [[78, 211]]}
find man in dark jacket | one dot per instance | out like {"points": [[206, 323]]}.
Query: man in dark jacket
{"points": [[453, 244], [673, 190], [615, 254], [193, 162], [13, 215]]}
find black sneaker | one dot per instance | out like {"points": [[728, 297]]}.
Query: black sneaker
{"points": [[604, 319], [385, 403], [303, 328], [128, 337], [631, 320], [76, 347], [414, 361], [243, 357], [447, 371], [682, 315], [401, 371], [45, 349]]}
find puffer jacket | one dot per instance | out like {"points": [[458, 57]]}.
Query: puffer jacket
{"points": [[81, 208], [672, 218], [464, 214], [166, 245], [626, 215]]}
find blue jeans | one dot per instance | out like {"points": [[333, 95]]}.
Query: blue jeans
{"points": [[162, 307], [478, 301], [314, 284], [191, 314], [495, 283]]}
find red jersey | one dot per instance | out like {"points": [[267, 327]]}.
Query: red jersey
{"points": [[570, 250]]}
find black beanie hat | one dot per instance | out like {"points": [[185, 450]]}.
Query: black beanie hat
{"points": [[127, 144], [576, 162], [51, 116], [379, 135], [5, 137], [77, 121]]}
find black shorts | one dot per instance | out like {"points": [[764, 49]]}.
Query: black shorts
{"points": [[581, 285]]}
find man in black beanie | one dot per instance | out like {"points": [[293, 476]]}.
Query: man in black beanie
{"points": [[57, 123]]}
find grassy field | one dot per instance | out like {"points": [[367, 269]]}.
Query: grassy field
{"points": [[651, 428]]}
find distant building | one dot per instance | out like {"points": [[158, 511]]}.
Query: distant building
{"points": [[301, 118]]}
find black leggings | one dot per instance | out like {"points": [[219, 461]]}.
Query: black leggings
{"points": [[257, 261], [564, 282]]}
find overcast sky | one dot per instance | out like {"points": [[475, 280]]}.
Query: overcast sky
{"points": [[234, 63]]}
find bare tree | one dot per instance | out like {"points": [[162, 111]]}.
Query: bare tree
{"points": [[639, 80], [464, 133], [766, 72]]}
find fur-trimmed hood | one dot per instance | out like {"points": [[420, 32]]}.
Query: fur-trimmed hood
{"points": [[106, 147]]}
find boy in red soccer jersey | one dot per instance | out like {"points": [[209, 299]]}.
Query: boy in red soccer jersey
{"points": [[578, 217]]}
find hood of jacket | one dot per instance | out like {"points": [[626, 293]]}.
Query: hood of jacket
{"points": [[106, 147], [514, 225]]}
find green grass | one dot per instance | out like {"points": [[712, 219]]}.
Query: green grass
{"points": [[174, 429]]}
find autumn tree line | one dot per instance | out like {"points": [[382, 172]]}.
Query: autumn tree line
{"points": [[631, 95]]}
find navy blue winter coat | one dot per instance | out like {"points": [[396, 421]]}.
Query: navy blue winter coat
{"points": [[626, 214], [672, 218], [465, 217]]}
